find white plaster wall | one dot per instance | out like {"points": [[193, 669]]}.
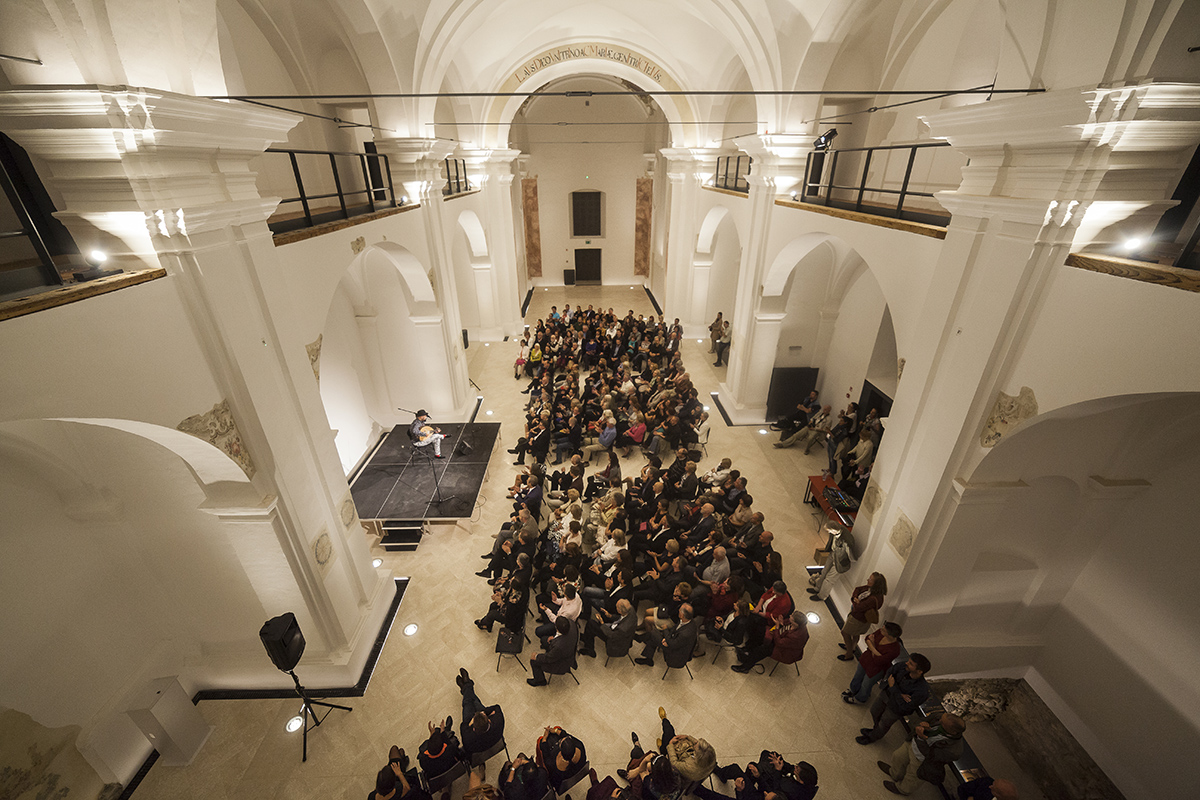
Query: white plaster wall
{"points": [[1098, 335], [95, 607], [852, 342], [464, 280], [805, 296], [315, 266], [722, 281], [130, 354], [346, 383], [901, 262]]}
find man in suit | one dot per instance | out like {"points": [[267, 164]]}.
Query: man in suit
{"points": [[559, 657], [617, 633], [677, 643]]}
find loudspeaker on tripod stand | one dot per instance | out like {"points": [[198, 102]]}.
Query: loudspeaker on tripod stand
{"points": [[283, 641]]}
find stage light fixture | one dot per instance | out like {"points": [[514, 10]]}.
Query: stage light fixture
{"points": [[823, 141], [377, 562]]}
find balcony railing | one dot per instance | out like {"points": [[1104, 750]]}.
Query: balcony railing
{"points": [[879, 189], [361, 183], [456, 177], [731, 173]]}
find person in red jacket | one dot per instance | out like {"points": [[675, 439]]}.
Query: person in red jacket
{"points": [[882, 647], [784, 643], [775, 604]]}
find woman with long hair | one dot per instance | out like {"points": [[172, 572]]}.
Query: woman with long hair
{"points": [[865, 603]]}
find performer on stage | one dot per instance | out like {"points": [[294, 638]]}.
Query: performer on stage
{"points": [[423, 433]]}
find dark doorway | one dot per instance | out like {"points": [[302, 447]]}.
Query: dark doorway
{"points": [[870, 398], [587, 265]]}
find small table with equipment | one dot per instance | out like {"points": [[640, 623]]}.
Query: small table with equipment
{"points": [[834, 504]]}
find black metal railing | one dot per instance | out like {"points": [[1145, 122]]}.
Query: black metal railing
{"points": [[33, 244], [821, 185], [457, 181], [731, 173], [358, 187]]}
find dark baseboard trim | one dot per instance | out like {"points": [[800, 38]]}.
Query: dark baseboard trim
{"points": [[657, 308], [358, 690]]}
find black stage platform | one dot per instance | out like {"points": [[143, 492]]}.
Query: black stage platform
{"points": [[395, 483]]}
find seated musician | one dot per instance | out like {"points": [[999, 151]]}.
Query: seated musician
{"points": [[423, 434]]}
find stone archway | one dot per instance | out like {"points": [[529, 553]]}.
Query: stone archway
{"points": [[383, 349]]}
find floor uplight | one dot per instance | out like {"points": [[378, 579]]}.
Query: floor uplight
{"points": [[813, 617], [410, 629], [376, 562], [294, 724]]}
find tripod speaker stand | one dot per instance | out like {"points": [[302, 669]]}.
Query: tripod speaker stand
{"points": [[310, 712], [284, 644]]}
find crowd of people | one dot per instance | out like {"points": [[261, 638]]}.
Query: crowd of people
{"points": [[670, 558]]}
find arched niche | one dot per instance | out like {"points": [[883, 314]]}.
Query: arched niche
{"points": [[382, 349], [714, 268], [474, 277], [114, 557], [833, 316], [1070, 556]]}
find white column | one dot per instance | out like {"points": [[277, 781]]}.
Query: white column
{"points": [[502, 241], [417, 163], [773, 155], [681, 231]]}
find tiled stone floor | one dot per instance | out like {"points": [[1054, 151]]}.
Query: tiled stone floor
{"points": [[251, 756]]}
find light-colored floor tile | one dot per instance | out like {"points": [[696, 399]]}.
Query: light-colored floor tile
{"points": [[250, 755]]}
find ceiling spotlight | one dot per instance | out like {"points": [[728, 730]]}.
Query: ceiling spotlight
{"points": [[403, 199], [294, 724], [813, 617], [822, 142], [410, 629], [1132, 244], [376, 562]]}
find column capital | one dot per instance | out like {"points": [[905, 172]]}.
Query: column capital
{"points": [[411, 150]]}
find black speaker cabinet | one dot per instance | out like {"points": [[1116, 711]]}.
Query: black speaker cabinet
{"points": [[283, 640], [465, 448], [466, 339]]}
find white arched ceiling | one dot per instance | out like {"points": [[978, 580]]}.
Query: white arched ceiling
{"points": [[469, 222], [708, 228], [223, 481]]}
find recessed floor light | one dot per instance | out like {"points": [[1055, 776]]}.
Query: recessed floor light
{"points": [[294, 724], [489, 412], [763, 431], [376, 562], [706, 408], [487, 344], [813, 617], [410, 629], [699, 341]]}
